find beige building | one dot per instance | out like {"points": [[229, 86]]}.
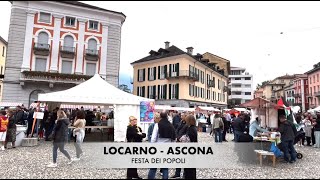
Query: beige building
{"points": [[3, 55], [220, 62], [179, 79], [275, 89]]}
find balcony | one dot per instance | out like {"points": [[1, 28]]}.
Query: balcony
{"points": [[297, 95], [317, 94], [92, 54], [52, 78], [67, 52], [183, 74], [211, 84], [41, 49]]}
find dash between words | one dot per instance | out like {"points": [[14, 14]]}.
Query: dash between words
{"points": [[153, 150]]}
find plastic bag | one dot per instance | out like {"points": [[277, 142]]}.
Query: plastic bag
{"points": [[277, 152]]}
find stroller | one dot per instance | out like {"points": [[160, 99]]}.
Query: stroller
{"points": [[296, 140]]}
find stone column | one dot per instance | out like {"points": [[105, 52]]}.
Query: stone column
{"points": [[28, 41], [104, 48], [55, 43], [80, 52]]}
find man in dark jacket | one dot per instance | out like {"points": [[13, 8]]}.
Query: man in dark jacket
{"points": [[288, 133], [176, 121], [19, 116], [239, 127]]}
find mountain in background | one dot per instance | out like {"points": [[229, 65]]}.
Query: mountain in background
{"points": [[125, 79]]}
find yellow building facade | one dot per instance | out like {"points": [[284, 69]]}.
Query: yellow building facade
{"points": [[179, 79], [3, 55]]}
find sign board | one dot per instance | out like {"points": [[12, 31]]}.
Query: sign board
{"points": [[147, 111], [38, 115]]}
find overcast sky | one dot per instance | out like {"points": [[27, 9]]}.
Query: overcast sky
{"points": [[246, 33]]}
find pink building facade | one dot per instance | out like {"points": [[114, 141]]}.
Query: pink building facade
{"points": [[314, 86], [301, 89]]}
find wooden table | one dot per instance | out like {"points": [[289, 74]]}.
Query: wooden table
{"points": [[262, 153], [95, 127]]}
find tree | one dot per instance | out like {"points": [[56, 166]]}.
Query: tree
{"points": [[262, 84], [124, 88]]}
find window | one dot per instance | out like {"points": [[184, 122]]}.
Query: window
{"points": [[91, 69], [247, 85], [141, 91], [45, 17], [174, 70], [41, 64], [92, 44], [310, 80], [208, 94], [174, 91], [93, 25], [236, 86], [247, 93], [162, 72], [68, 43], [151, 92], [3, 50], [66, 67], [214, 82], [247, 78], [237, 79], [219, 96], [202, 75], [152, 74], [219, 83], [1, 70], [70, 21], [141, 75], [43, 39], [162, 92]]}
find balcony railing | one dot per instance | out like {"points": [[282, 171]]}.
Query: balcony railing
{"points": [[183, 74], [37, 76], [92, 54], [67, 52], [41, 49], [317, 94]]}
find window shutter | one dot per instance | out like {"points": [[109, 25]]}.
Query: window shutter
{"points": [[158, 72], [159, 92], [170, 69], [138, 75], [166, 71], [155, 73], [148, 74], [148, 95], [143, 91], [169, 91], [177, 91], [189, 89], [138, 88], [144, 75], [165, 92], [177, 69], [154, 92]]}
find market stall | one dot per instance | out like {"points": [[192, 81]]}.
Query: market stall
{"points": [[97, 91]]}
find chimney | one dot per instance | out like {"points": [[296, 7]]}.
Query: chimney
{"points": [[167, 44], [190, 50]]}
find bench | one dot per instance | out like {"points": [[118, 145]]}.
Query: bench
{"points": [[262, 153]]}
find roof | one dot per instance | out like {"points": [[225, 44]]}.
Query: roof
{"points": [[316, 67], [217, 56], [286, 77], [77, 3], [169, 52], [4, 41]]}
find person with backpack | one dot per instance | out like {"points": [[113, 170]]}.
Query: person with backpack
{"points": [[3, 128], [288, 133]]}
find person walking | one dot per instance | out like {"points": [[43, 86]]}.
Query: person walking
{"points": [[181, 130], [3, 128], [191, 173], [308, 129], [11, 131], [218, 127], [134, 134], [60, 137], [288, 133], [79, 132], [226, 127], [317, 131], [163, 132]]}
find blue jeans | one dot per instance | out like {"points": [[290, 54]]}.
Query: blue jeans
{"points": [[288, 148], [237, 135], [60, 146], [218, 133], [152, 173]]}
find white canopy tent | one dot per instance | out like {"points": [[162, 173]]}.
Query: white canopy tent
{"points": [[169, 108], [97, 91], [202, 108]]}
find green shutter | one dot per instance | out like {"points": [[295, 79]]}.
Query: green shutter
{"points": [[143, 91], [159, 92], [144, 74], [165, 92], [137, 91], [154, 92], [169, 91], [148, 74], [158, 72], [177, 91], [155, 73], [189, 89], [148, 95], [170, 70], [177, 69], [166, 71], [138, 75]]}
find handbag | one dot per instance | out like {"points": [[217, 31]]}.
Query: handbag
{"points": [[185, 139]]}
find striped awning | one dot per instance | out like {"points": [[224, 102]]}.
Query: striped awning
{"points": [[70, 106], [10, 104]]}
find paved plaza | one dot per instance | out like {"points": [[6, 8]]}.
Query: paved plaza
{"points": [[30, 162]]}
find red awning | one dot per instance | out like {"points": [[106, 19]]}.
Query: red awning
{"points": [[255, 103]]}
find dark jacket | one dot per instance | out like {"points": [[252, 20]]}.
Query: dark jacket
{"points": [[317, 126], [226, 124], [181, 130], [132, 134], [239, 125], [288, 131], [150, 130], [166, 129], [60, 131], [176, 121], [19, 117], [11, 123], [192, 133]]}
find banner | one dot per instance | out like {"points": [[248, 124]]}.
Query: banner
{"points": [[147, 111]]}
